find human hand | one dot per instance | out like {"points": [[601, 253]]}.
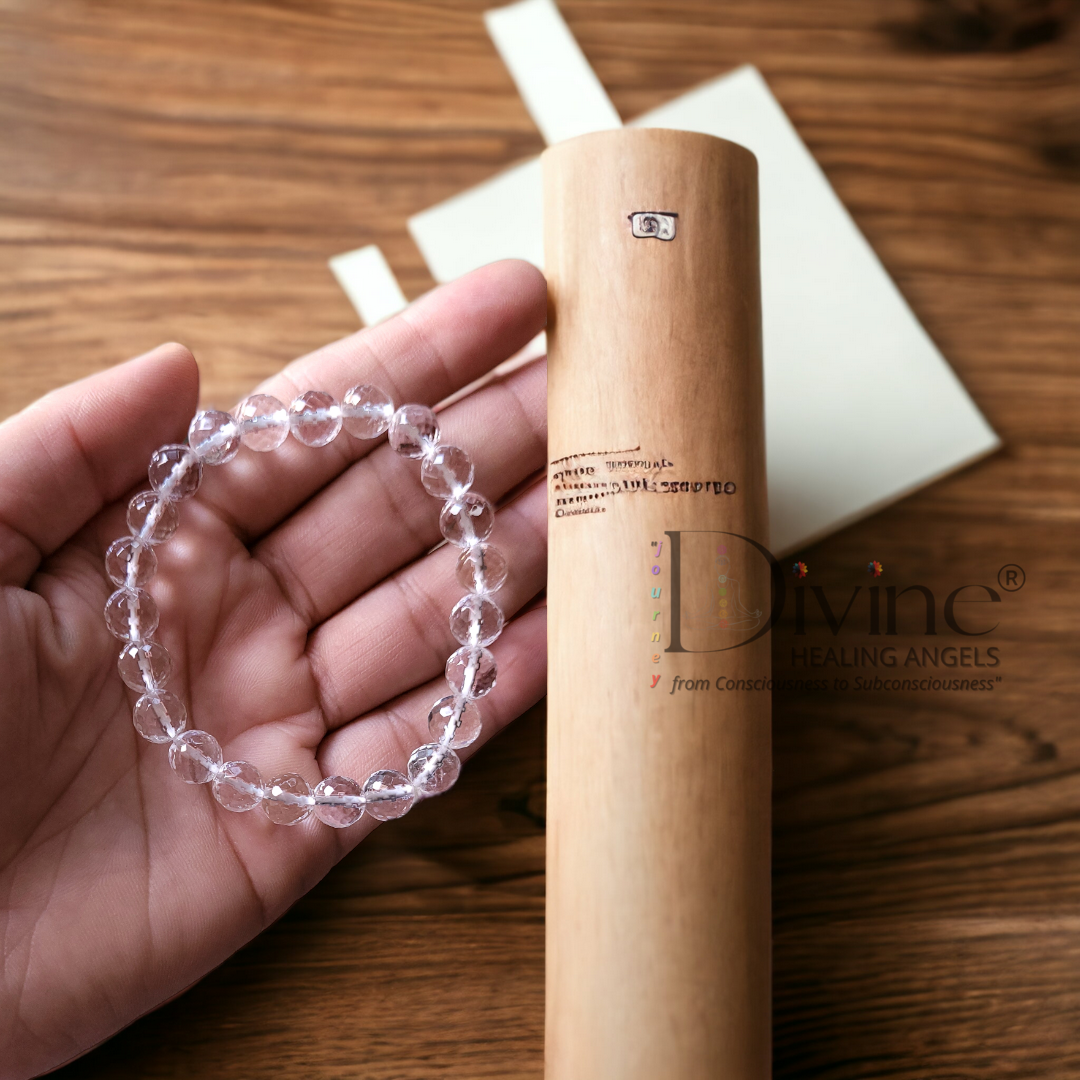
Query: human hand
{"points": [[307, 623]]}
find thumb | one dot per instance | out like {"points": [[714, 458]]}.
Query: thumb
{"points": [[82, 446]]}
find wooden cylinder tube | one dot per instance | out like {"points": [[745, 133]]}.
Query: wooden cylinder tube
{"points": [[659, 752]]}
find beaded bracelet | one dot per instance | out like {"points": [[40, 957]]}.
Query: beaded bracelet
{"points": [[263, 423]]}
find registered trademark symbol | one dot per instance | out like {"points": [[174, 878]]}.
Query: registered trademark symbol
{"points": [[1011, 577]]}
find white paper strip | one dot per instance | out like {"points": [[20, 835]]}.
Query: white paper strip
{"points": [[369, 283], [561, 91]]}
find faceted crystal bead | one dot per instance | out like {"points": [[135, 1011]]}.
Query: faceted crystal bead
{"points": [[467, 520], [175, 471], [131, 614], [264, 422], [328, 805], [144, 666], [413, 429], [441, 717], [431, 775], [214, 436], [471, 672], [159, 717], [315, 418], [366, 411], [482, 569], [389, 795], [287, 799], [130, 562], [447, 472], [238, 786], [476, 620], [195, 756], [152, 518]]}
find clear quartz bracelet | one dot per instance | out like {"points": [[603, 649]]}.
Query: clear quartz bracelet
{"points": [[263, 423]]}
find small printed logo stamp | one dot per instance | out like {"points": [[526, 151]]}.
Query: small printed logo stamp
{"points": [[653, 224]]}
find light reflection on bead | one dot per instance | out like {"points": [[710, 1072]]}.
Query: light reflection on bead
{"points": [[264, 422], [447, 472], [467, 520], [152, 518], [214, 436], [287, 799], [366, 411], [413, 429], [482, 568], [315, 418], [195, 756], [471, 672], [144, 666], [388, 795], [238, 786], [476, 620], [130, 562], [434, 769], [441, 718], [329, 808], [131, 614], [175, 472], [159, 717]]}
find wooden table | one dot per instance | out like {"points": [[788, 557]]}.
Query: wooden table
{"points": [[183, 170]]}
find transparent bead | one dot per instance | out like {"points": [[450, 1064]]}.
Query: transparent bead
{"points": [[238, 786], [447, 472], [441, 717], [315, 418], [388, 795], [476, 620], [366, 411], [144, 666], [159, 717], [482, 569], [287, 799], [328, 805], [413, 429], [175, 471], [131, 614], [471, 672], [152, 518], [264, 422], [432, 778], [214, 436], [195, 757], [130, 562], [467, 520]]}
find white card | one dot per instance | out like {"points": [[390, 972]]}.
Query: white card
{"points": [[498, 219], [860, 406]]}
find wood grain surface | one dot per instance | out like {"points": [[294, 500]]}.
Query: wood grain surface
{"points": [[183, 169]]}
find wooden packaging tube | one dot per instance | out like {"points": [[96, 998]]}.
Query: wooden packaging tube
{"points": [[659, 755]]}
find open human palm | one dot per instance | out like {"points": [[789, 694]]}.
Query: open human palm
{"points": [[306, 615]]}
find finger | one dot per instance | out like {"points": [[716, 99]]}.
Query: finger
{"points": [[331, 550], [440, 343], [398, 634], [80, 447], [384, 739]]}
